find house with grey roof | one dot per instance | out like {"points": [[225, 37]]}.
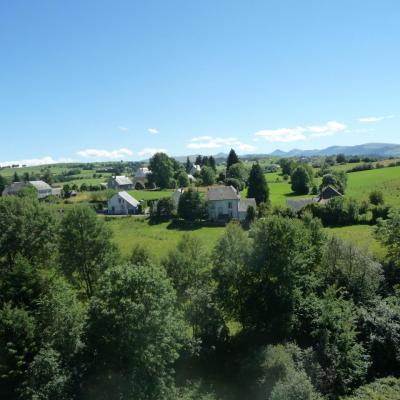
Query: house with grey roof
{"points": [[42, 188], [120, 182], [195, 169], [327, 193], [224, 203], [142, 174], [122, 203]]}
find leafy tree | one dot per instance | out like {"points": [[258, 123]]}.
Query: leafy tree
{"points": [[134, 334], [66, 191], [188, 165], [212, 163], [343, 360], [302, 180], [287, 165], [27, 229], [199, 160], [208, 176], [347, 267], [230, 256], [388, 233], [340, 158], [191, 206], [237, 171], [236, 183], [162, 170], [164, 209], [251, 214], [16, 177], [48, 176], [381, 389], [336, 179], [141, 255], [86, 249], [185, 264], [376, 197], [183, 179], [3, 184], [232, 159], [257, 185], [17, 348]]}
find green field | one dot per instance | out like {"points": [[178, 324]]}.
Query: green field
{"points": [[360, 184], [159, 238], [362, 236]]}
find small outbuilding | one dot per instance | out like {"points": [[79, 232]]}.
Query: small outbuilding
{"points": [[122, 203], [120, 182], [42, 188]]}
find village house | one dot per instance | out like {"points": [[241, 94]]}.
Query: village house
{"points": [[195, 169], [327, 193], [43, 189], [122, 203], [142, 174], [120, 182], [224, 203]]}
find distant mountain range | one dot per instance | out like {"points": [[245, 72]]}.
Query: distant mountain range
{"points": [[367, 149]]}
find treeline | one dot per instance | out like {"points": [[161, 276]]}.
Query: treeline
{"points": [[282, 312]]}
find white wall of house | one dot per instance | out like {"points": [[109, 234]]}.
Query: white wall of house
{"points": [[118, 205], [220, 209]]}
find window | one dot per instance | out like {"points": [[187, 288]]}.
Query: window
{"points": [[230, 205]]}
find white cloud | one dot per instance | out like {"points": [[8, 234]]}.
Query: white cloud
{"points": [[149, 152], [36, 161], [375, 119], [210, 142], [123, 128], [152, 131], [300, 132], [97, 153], [282, 134], [329, 129]]}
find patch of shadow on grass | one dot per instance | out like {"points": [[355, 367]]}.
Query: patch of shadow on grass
{"points": [[181, 225]]}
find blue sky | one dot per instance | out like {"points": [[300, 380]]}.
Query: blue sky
{"points": [[101, 80]]}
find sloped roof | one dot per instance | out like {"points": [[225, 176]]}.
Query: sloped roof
{"points": [[123, 180], [297, 204], [13, 188], [329, 190], [40, 185], [245, 203], [142, 172], [222, 193], [128, 198]]}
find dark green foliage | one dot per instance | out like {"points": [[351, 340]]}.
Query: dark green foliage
{"points": [[85, 249], [139, 186], [251, 214], [191, 206], [381, 389], [237, 184], [287, 165], [336, 179], [3, 184], [141, 255], [134, 334], [343, 359], [376, 197], [208, 176], [212, 163], [164, 210], [183, 179], [162, 169], [351, 269], [27, 229], [340, 158], [232, 159], [302, 180], [188, 165], [237, 171], [388, 233], [257, 185]]}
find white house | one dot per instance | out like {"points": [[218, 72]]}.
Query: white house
{"points": [[192, 179], [195, 168], [141, 174], [122, 203], [43, 189], [120, 182], [224, 203], [176, 196]]}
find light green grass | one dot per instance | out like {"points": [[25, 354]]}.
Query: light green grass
{"points": [[159, 238], [362, 236], [360, 184], [150, 194]]}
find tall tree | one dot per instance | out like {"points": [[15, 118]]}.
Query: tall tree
{"points": [[162, 170], [208, 176], [302, 180], [212, 163], [199, 160], [232, 159], [86, 249], [16, 177], [191, 206], [134, 333], [257, 185], [188, 165], [3, 184]]}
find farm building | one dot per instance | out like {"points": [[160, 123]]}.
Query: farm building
{"points": [[224, 203], [141, 174], [195, 168], [120, 182], [43, 189], [122, 203], [327, 193]]}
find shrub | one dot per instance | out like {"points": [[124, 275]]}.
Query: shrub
{"points": [[376, 197], [139, 186]]}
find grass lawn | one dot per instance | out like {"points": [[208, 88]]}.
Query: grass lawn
{"points": [[159, 238], [362, 236], [360, 184], [150, 194]]}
